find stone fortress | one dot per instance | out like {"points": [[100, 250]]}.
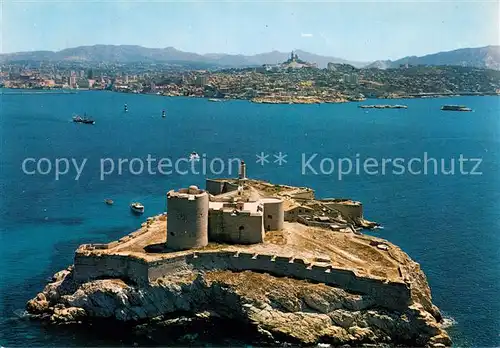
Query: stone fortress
{"points": [[224, 213], [243, 224], [243, 238], [240, 211]]}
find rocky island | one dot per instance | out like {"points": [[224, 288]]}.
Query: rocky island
{"points": [[272, 260]]}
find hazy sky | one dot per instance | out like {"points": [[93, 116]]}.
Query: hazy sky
{"points": [[361, 31]]}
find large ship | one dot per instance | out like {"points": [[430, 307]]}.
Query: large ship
{"points": [[455, 108]]}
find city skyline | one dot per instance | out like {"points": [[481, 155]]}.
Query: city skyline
{"points": [[362, 31]]}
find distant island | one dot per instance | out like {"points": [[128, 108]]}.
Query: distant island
{"points": [[276, 262]]}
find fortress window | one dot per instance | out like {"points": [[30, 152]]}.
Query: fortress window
{"points": [[172, 234], [241, 228], [269, 216]]}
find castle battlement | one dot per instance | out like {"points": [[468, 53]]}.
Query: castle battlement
{"points": [[192, 192], [89, 266]]}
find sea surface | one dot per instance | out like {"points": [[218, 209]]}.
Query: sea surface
{"points": [[450, 224]]}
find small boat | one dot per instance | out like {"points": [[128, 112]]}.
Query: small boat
{"points": [[84, 119], [137, 208], [215, 100], [455, 108], [163, 113], [108, 201], [194, 156], [125, 108]]}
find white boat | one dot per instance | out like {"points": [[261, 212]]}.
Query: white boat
{"points": [[137, 207], [194, 156]]}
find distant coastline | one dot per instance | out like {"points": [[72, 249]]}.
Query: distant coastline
{"points": [[272, 99]]}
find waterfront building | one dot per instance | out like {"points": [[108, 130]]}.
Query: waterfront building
{"points": [[347, 78], [354, 80], [72, 81], [201, 80]]}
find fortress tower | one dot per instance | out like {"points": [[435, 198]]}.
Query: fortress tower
{"points": [[187, 224], [274, 215]]}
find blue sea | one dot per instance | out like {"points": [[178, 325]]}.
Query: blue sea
{"points": [[449, 223]]}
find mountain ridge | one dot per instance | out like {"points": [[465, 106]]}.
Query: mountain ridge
{"points": [[487, 57], [480, 57], [136, 53]]}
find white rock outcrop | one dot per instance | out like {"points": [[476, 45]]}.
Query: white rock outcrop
{"points": [[280, 309]]}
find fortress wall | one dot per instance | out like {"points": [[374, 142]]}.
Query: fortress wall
{"points": [[216, 226], [248, 228], [88, 267], [239, 229], [263, 263], [282, 265], [214, 187], [99, 246], [210, 260], [388, 294], [242, 261], [306, 194], [314, 223], [171, 265], [297, 269], [320, 274], [230, 187], [391, 295], [341, 277], [352, 211], [291, 215]]}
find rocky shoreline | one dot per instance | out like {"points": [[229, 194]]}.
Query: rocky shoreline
{"points": [[273, 309], [297, 100]]}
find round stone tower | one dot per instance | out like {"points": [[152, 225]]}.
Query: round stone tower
{"points": [[187, 218], [274, 214]]}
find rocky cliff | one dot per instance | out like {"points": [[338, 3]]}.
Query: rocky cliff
{"points": [[274, 309]]}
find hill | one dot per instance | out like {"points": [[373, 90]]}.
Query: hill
{"points": [[131, 54], [481, 57]]}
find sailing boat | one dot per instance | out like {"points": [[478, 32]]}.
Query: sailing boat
{"points": [[125, 108], [84, 119]]}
